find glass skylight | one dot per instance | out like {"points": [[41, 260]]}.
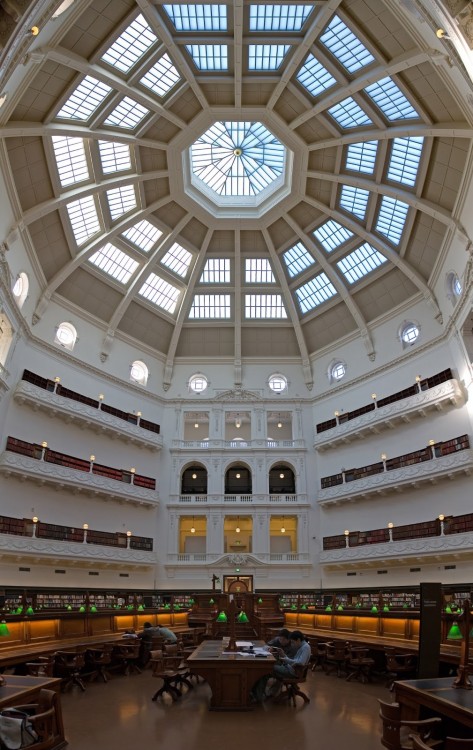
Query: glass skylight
{"points": [[115, 157], [278, 17], [314, 77], [237, 158], [127, 114], [354, 200], [209, 56], [130, 45], [143, 234], [266, 56], [70, 159], [361, 157], [391, 101], [404, 162], [216, 271], [391, 219], [360, 262], [83, 218], [345, 46], [197, 17], [348, 114], [161, 77], [258, 271], [269, 306], [297, 258], [84, 100], [331, 234], [114, 262], [160, 293], [317, 290], [177, 259], [210, 306], [121, 200]]}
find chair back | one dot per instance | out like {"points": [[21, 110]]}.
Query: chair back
{"points": [[390, 714]]}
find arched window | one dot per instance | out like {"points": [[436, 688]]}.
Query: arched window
{"points": [[20, 289], [66, 336], [277, 382], [198, 383], [194, 481], [409, 333], [454, 287], [336, 371], [139, 372]]}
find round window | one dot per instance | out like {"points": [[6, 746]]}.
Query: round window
{"points": [[277, 383], [198, 383]]}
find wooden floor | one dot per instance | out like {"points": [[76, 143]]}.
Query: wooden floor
{"points": [[120, 715]]}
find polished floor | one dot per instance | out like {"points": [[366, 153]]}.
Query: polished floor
{"points": [[120, 714]]}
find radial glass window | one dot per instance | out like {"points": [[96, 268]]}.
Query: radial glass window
{"points": [[127, 115], [114, 262], [160, 293], [209, 56], [197, 17], [85, 100], [210, 306], [198, 383], [317, 290], [354, 200], [66, 336], [84, 219], [360, 262], [279, 17], [130, 45], [268, 306], [237, 158], [266, 56], [337, 371], [391, 101], [115, 157], [161, 77], [331, 235], [139, 372], [20, 289], [349, 114], [345, 46], [70, 160], [391, 219], [409, 333], [277, 382], [144, 235], [361, 157], [177, 259], [404, 162], [258, 271], [121, 200], [297, 258], [314, 77], [216, 271]]}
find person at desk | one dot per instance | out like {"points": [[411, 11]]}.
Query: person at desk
{"points": [[269, 686], [148, 633], [283, 641]]}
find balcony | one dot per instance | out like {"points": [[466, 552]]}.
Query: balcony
{"points": [[237, 445], [259, 500], [240, 558]]}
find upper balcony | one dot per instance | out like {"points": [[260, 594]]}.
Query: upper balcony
{"points": [[54, 398], [248, 559], [259, 500], [39, 464], [438, 392], [237, 445]]}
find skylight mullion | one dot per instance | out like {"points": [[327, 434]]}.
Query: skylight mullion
{"points": [[390, 100], [84, 219], [297, 259], [197, 16], [391, 219], [143, 234], [161, 77], [210, 306], [345, 45], [127, 114], [177, 259], [404, 161], [314, 76], [361, 157], [279, 17], [315, 292], [360, 262], [130, 46], [114, 156], [349, 114], [160, 292], [264, 306], [70, 159], [84, 100], [114, 262], [331, 235]]}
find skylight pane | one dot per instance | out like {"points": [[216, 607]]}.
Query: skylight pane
{"points": [[83, 218], [345, 46], [314, 77], [130, 45], [177, 259], [209, 56], [161, 77], [278, 17], [70, 159], [297, 258], [197, 17], [258, 271], [114, 262], [404, 162], [143, 234], [361, 157], [115, 157], [360, 262], [348, 114], [391, 101], [354, 200], [391, 219], [266, 56], [317, 290], [216, 271], [86, 98], [210, 306], [268, 306], [160, 293], [121, 200], [331, 235], [127, 115]]}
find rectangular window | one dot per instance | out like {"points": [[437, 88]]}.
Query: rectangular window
{"points": [[210, 306], [269, 306]]}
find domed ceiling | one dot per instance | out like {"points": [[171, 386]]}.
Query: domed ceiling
{"points": [[233, 180]]}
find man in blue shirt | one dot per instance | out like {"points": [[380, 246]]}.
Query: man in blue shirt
{"points": [[288, 664]]}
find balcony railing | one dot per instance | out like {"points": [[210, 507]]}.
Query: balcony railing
{"points": [[259, 499], [245, 445], [192, 558]]}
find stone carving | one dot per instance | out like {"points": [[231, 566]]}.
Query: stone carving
{"points": [[236, 559], [237, 394]]}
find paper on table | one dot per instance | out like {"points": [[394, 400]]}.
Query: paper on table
{"points": [[244, 644]]}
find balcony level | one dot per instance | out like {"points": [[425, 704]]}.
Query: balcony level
{"points": [[246, 559], [260, 500], [239, 445]]}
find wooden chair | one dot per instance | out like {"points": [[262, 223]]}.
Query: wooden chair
{"points": [[176, 651], [397, 731], [43, 667], [46, 719], [360, 664], [451, 743], [97, 660], [167, 670], [291, 685], [399, 666], [336, 658], [69, 665], [128, 655]]}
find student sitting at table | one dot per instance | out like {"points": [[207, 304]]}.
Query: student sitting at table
{"points": [[269, 686], [283, 640], [147, 634]]}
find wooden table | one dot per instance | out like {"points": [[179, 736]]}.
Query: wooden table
{"points": [[436, 696], [230, 676], [21, 690]]}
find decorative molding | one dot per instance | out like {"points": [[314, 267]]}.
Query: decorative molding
{"points": [[289, 559], [237, 445], [299, 500], [237, 394]]}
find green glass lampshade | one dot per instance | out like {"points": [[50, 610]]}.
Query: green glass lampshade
{"points": [[167, 606], [177, 606], [19, 610], [4, 629], [448, 609], [358, 605], [454, 634], [374, 608], [328, 608], [242, 617], [405, 605], [93, 608], [222, 617], [82, 608], [304, 606], [211, 601], [191, 601], [141, 607], [293, 606], [69, 608], [30, 610], [260, 601], [386, 608], [340, 607]]}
